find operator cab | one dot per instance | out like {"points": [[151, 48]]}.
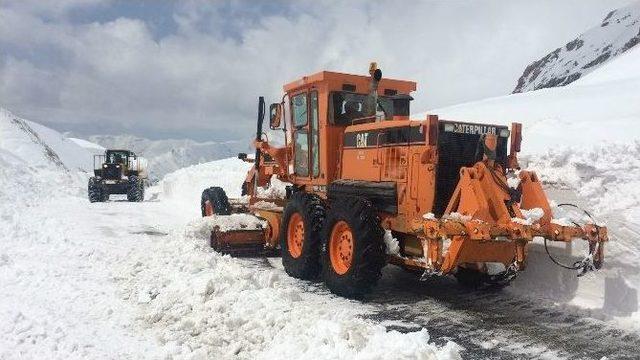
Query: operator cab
{"points": [[119, 156], [318, 108]]}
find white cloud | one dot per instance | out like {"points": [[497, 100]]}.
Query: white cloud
{"points": [[207, 74]]}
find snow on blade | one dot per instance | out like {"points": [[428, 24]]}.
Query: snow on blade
{"points": [[225, 223], [277, 189]]}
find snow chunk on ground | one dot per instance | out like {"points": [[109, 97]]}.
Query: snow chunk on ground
{"points": [[182, 189]]}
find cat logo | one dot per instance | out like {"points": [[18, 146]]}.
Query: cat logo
{"points": [[361, 139]]}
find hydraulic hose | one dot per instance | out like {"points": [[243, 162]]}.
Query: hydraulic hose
{"points": [[580, 264]]}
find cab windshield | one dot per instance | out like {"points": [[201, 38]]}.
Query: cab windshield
{"points": [[117, 157], [347, 106]]}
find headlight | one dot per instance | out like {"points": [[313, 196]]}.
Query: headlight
{"points": [[504, 132], [104, 166], [117, 166]]}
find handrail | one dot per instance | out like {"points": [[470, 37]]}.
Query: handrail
{"points": [[363, 120]]}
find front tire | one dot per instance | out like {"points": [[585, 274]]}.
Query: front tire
{"points": [[135, 192], [353, 252], [95, 192], [214, 200], [300, 235]]}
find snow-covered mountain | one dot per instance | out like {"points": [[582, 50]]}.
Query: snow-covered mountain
{"points": [[169, 155], [35, 146], [618, 32]]}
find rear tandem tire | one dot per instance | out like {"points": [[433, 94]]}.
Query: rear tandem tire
{"points": [[300, 235], [353, 251], [214, 201]]}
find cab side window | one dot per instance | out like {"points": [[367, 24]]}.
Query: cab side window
{"points": [[314, 133], [299, 110], [301, 152]]}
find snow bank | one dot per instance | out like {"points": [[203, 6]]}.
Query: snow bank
{"points": [[206, 305], [182, 189], [58, 299]]}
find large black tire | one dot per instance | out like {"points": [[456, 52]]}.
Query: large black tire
{"points": [[217, 198], [470, 278], [96, 193], [474, 279], [105, 195], [135, 190], [368, 248], [303, 263]]}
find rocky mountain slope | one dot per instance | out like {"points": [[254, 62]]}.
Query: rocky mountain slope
{"points": [[618, 32]]}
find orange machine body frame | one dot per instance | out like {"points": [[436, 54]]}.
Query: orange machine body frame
{"points": [[487, 227]]}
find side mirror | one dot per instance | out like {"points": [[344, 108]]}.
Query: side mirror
{"points": [[275, 116]]}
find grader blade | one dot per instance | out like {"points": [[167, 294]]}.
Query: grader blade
{"points": [[239, 243]]}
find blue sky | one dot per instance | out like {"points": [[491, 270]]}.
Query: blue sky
{"points": [[193, 69]]}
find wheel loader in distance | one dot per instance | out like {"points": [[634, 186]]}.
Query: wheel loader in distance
{"points": [[118, 172], [369, 186]]}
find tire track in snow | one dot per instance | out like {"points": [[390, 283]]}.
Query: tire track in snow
{"points": [[498, 324]]}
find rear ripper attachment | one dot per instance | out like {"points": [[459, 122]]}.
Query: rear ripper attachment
{"points": [[368, 186]]}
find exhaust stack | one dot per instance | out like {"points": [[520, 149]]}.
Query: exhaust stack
{"points": [[371, 103]]}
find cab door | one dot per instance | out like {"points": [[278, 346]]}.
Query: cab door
{"points": [[304, 121]]}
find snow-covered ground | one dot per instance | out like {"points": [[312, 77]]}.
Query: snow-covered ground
{"points": [[138, 280]]}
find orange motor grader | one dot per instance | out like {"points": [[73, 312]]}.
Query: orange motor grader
{"points": [[368, 186]]}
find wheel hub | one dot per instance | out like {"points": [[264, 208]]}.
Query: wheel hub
{"points": [[208, 208], [295, 235], [341, 247]]}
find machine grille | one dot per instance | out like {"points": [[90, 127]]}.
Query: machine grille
{"points": [[112, 172], [457, 150]]}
